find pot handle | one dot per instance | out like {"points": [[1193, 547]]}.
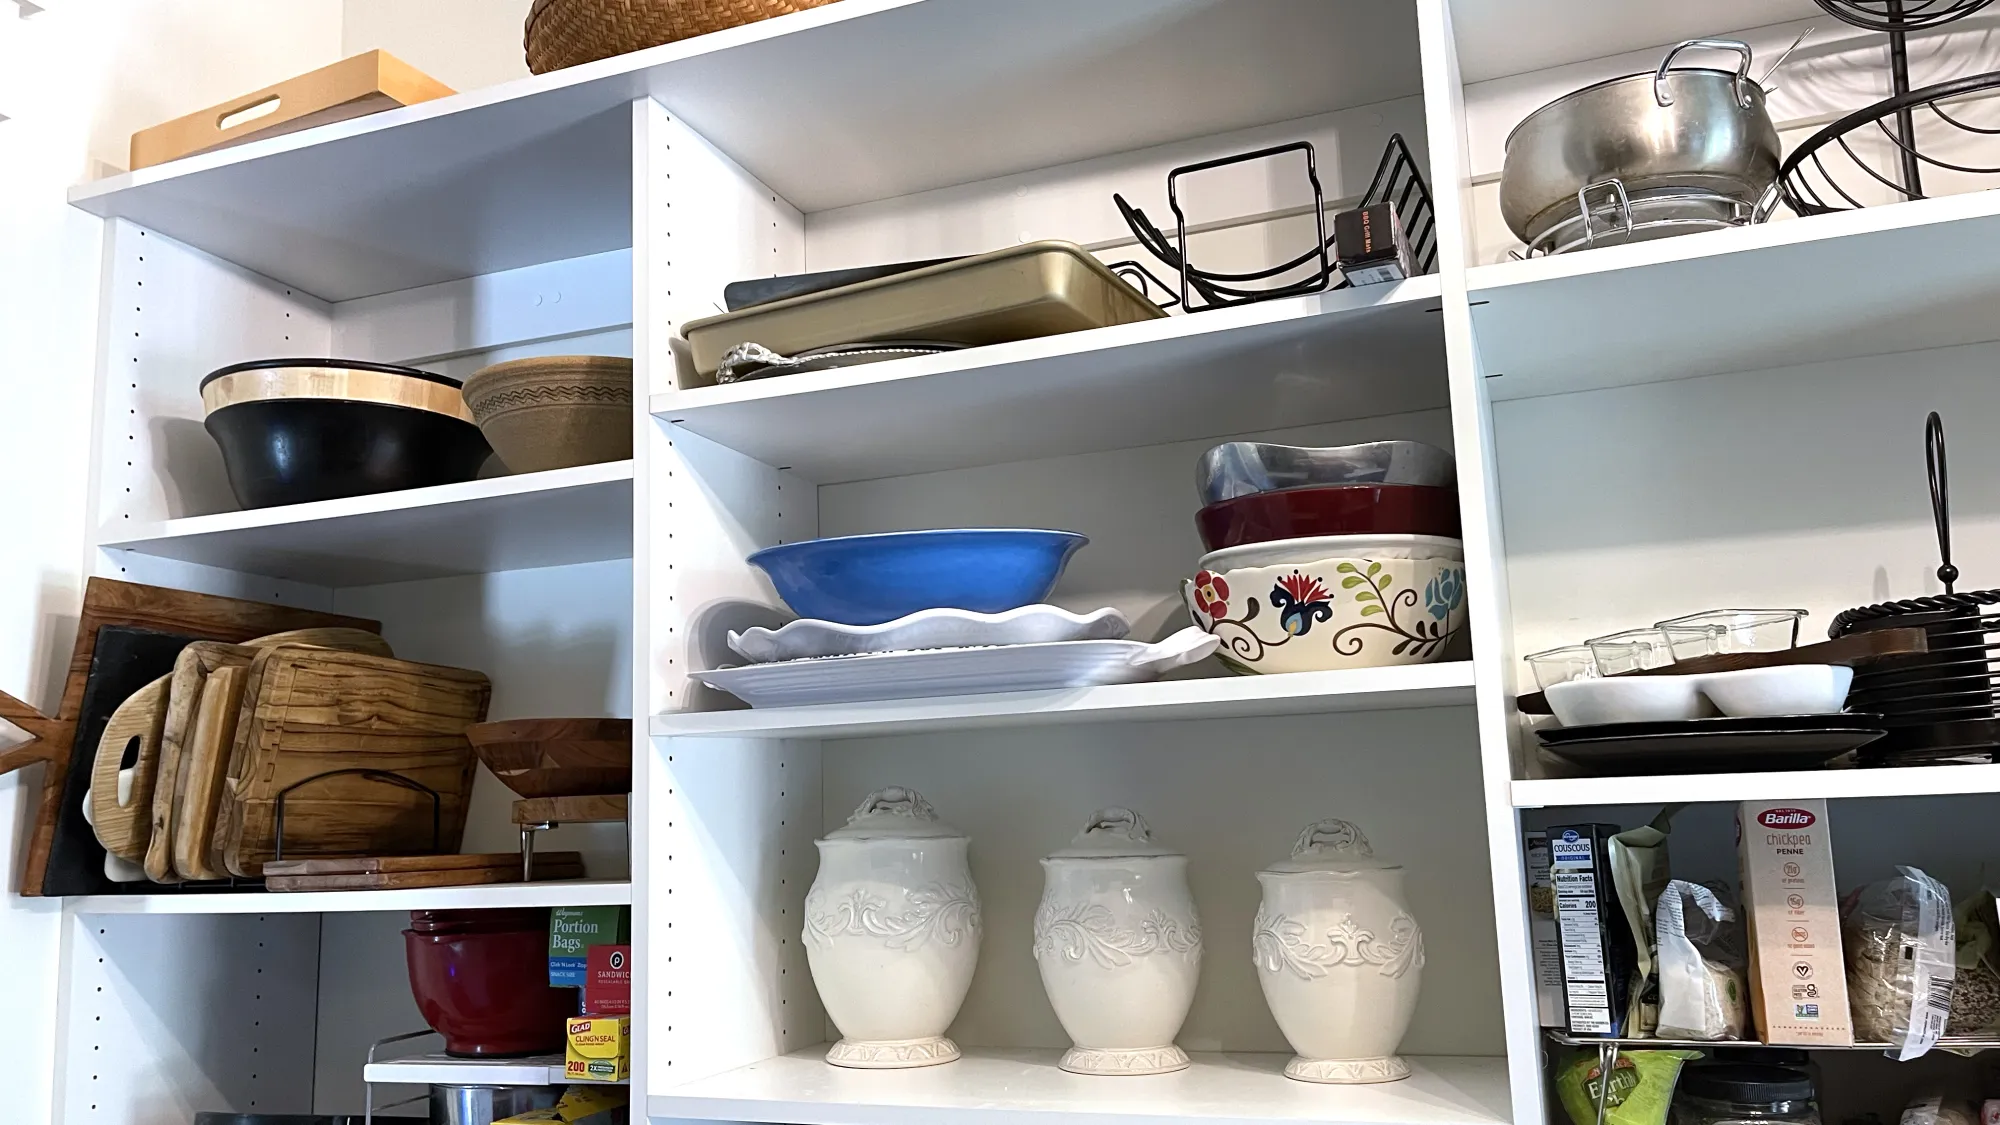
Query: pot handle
{"points": [[1742, 50], [1339, 837], [1624, 207]]}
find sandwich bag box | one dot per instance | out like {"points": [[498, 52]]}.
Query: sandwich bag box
{"points": [[607, 990], [598, 1049], [1798, 980]]}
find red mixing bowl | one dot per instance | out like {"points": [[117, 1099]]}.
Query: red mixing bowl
{"points": [[481, 979], [1334, 509]]}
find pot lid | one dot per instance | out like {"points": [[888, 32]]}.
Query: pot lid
{"points": [[1114, 834], [895, 813], [1331, 845]]}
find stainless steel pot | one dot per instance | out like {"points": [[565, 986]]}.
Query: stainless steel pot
{"points": [[483, 1105], [1688, 133]]}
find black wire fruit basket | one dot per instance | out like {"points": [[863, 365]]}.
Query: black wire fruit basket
{"points": [[1910, 121], [1938, 705]]}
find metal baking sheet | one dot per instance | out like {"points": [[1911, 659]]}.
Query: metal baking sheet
{"points": [[1036, 289]]}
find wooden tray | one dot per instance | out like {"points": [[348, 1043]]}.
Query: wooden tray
{"points": [[53, 738], [307, 712], [367, 83], [376, 873]]}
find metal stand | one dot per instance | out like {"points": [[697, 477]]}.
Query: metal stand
{"points": [[368, 1088], [1804, 173]]}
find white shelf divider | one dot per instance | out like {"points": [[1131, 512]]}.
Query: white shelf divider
{"points": [[1896, 781], [1293, 693], [1266, 366], [1013, 1087], [494, 896], [581, 514]]}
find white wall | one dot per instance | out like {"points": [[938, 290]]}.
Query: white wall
{"points": [[75, 81], [464, 44]]}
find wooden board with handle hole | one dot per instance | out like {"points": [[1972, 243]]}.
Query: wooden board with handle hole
{"points": [[52, 738], [312, 719], [197, 662], [121, 810], [1854, 649]]}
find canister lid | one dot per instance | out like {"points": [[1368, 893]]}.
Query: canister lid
{"points": [[895, 813], [1331, 845], [1747, 1083], [1114, 834]]}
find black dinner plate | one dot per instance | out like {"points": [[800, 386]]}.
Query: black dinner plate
{"points": [[1791, 742]]}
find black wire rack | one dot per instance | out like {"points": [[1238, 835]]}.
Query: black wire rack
{"points": [[1944, 703], [1397, 180], [1810, 187]]}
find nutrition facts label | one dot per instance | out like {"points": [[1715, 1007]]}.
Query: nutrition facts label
{"points": [[1580, 922]]}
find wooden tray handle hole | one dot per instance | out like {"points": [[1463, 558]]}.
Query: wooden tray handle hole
{"points": [[248, 113]]}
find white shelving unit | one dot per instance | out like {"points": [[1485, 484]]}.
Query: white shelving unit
{"points": [[1724, 418], [498, 896], [1013, 1087], [1299, 693]]}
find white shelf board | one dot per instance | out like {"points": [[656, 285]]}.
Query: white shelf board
{"points": [[1896, 781], [581, 514], [539, 169], [1491, 44], [494, 896], [991, 1086], [1293, 693], [424, 1070], [1875, 281], [1352, 353]]}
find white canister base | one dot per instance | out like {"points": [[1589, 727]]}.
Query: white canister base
{"points": [[892, 1054], [1350, 1072], [1144, 1060]]}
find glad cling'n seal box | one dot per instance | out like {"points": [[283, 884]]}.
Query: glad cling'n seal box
{"points": [[1798, 982], [599, 1049]]}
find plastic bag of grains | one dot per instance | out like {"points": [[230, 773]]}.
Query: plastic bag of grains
{"points": [[1704, 992], [1901, 958]]}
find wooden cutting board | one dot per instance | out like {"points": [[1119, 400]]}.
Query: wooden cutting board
{"points": [[309, 712], [197, 663], [123, 827], [381, 873], [206, 758], [54, 738]]}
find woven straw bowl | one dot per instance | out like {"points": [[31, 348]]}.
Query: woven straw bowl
{"points": [[563, 33], [554, 412]]}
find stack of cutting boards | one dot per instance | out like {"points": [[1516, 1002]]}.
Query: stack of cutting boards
{"points": [[322, 731]]}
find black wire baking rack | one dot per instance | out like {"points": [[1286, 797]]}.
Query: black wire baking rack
{"points": [[1397, 180], [1810, 187]]}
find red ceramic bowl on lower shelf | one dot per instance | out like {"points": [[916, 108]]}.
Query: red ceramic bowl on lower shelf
{"points": [[481, 980], [1335, 509]]}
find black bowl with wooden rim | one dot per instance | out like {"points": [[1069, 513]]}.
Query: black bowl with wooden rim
{"points": [[298, 430]]}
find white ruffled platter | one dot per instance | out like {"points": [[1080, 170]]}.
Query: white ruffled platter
{"points": [[929, 629], [958, 671]]}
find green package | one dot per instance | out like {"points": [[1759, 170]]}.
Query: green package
{"points": [[1642, 1086], [573, 930]]}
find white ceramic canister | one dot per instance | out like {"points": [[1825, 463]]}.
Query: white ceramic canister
{"points": [[1339, 956], [892, 932], [1119, 946]]}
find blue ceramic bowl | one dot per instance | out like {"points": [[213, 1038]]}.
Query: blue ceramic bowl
{"points": [[869, 579]]}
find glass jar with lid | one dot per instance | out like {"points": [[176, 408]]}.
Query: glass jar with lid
{"points": [[1745, 1094]]}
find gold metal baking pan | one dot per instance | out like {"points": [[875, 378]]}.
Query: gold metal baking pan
{"points": [[1036, 289]]}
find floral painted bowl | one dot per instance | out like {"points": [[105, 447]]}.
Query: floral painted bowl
{"points": [[1334, 613]]}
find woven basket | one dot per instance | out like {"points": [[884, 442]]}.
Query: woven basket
{"points": [[563, 33]]}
